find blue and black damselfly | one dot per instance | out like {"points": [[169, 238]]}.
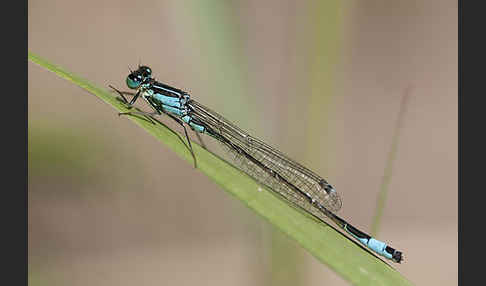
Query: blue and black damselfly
{"points": [[295, 183]]}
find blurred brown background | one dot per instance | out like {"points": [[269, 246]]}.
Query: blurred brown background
{"points": [[320, 80]]}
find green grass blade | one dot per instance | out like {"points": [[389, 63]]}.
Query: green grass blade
{"points": [[322, 241]]}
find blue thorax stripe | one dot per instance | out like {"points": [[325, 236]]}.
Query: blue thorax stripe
{"points": [[167, 100]]}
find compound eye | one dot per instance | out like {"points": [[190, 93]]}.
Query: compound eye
{"points": [[133, 82], [146, 71]]}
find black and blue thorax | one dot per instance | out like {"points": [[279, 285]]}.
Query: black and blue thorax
{"points": [[171, 100]]}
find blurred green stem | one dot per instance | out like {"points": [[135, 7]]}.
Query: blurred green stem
{"points": [[325, 20], [385, 182], [321, 43], [220, 44]]}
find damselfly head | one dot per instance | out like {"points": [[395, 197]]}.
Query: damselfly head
{"points": [[141, 75]]}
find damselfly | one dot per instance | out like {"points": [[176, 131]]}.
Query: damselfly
{"points": [[294, 182]]}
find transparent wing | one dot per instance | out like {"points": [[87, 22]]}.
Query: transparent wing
{"points": [[299, 176]]}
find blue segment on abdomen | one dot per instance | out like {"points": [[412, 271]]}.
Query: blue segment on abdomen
{"points": [[167, 100], [379, 247], [196, 127], [173, 110], [186, 118], [373, 244]]}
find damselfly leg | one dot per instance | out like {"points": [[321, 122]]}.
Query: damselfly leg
{"points": [[200, 140], [150, 117], [122, 95]]}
